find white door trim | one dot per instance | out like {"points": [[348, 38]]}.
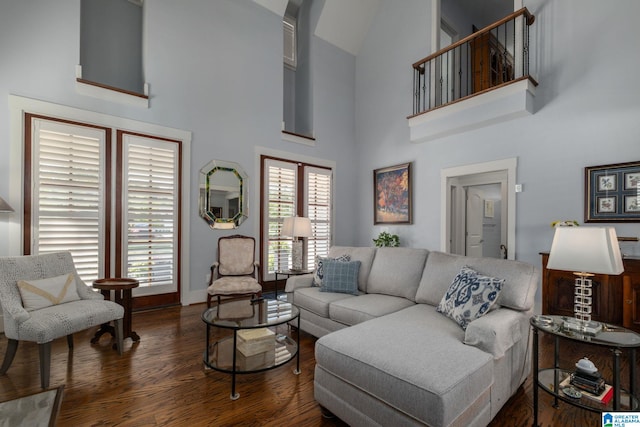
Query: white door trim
{"points": [[448, 175]]}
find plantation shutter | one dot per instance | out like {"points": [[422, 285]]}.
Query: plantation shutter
{"points": [[281, 191], [281, 199], [68, 194], [289, 45], [150, 206], [318, 210]]}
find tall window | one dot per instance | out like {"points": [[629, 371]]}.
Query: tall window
{"points": [[290, 188], [297, 83], [68, 194], [150, 208], [111, 51], [72, 199]]}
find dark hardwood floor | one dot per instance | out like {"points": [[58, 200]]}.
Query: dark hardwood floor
{"points": [[160, 381]]}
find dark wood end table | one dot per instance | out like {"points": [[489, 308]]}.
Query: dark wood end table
{"points": [[121, 288]]}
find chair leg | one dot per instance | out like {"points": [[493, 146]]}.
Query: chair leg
{"points": [[45, 363], [119, 334], [12, 347], [70, 341]]}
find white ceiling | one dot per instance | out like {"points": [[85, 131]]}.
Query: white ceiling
{"points": [[345, 23]]}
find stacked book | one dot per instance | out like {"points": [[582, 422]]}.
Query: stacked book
{"points": [[256, 348], [590, 382], [603, 393]]}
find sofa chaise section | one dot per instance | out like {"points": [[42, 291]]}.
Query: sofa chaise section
{"points": [[414, 361]]}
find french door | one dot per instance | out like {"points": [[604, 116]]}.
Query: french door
{"points": [[291, 188], [114, 204]]}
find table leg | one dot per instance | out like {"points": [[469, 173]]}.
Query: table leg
{"points": [[632, 380], [556, 367], [206, 349], [234, 395], [616, 379], [297, 371], [535, 377], [127, 299], [105, 328]]}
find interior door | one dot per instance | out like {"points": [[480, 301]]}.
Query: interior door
{"points": [[475, 206]]}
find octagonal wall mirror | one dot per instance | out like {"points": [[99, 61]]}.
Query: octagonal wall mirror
{"points": [[223, 194]]}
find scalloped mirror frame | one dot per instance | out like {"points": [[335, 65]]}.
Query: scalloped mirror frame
{"points": [[221, 183]]}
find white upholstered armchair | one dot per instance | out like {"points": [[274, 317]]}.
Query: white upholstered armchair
{"points": [[236, 273], [43, 298]]}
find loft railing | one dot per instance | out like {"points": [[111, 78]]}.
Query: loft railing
{"points": [[487, 59]]}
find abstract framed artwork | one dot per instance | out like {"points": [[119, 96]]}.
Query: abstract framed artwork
{"points": [[612, 193], [392, 195]]}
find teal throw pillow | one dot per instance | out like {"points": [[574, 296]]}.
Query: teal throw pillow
{"points": [[340, 276], [470, 296], [318, 273]]}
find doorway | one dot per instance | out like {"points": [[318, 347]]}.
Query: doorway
{"points": [[478, 209]]}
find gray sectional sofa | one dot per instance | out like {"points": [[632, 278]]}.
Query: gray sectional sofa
{"points": [[386, 356]]}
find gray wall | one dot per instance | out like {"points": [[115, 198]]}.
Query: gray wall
{"points": [[111, 43], [588, 111], [215, 69]]}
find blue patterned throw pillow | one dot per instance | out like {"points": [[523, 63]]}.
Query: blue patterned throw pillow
{"points": [[470, 296], [340, 276], [318, 274]]}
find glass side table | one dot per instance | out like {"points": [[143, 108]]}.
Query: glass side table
{"points": [[615, 338], [289, 273], [222, 351]]}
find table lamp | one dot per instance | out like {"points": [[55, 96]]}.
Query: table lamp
{"points": [[296, 227], [585, 251]]}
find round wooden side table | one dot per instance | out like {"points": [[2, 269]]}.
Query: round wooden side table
{"points": [[121, 288]]}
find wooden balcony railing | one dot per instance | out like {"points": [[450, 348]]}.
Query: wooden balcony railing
{"points": [[487, 59]]}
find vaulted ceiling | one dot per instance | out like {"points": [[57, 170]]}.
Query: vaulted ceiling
{"points": [[345, 23]]}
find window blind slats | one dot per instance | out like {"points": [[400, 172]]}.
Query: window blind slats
{"points": [[318, 208], [281, 201], [151, 209], [68, 195]]}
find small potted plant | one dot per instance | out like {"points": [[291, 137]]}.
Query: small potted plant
{"points": [[386, 239]]}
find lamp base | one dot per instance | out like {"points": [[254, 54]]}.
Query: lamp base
{"points": [[296, 255], [590, 327]]}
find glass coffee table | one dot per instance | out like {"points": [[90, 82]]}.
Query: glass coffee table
{"points": [[247, 336]]}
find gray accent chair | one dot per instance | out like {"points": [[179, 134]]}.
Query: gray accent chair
{"points": [[46, 324]]}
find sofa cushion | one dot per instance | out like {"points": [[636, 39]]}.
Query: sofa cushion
{"points": [[317, 302], [470, 296], [397, 271], [41, 293], [365, 255], [318, 272], [340, 276], [520, 279], [352, 311], [413, 360]]}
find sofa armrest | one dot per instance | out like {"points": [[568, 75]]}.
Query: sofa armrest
{"points": [[496, 332], [300, 281]]}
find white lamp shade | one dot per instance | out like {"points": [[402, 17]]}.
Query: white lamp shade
{"points": [[586, 250], [296, 226]]}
